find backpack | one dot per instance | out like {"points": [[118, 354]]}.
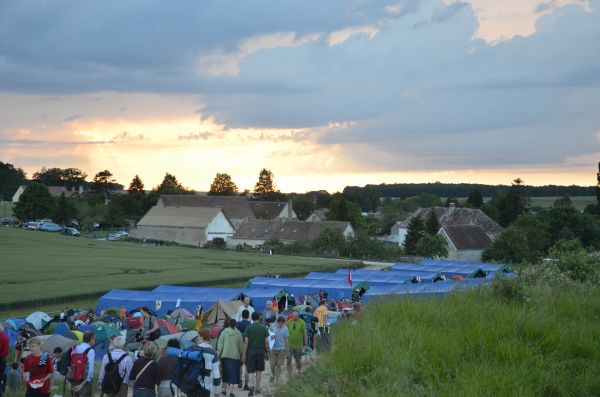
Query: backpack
{"points": [[187, 371], [62, 365], [111, 384], [78, 366]]}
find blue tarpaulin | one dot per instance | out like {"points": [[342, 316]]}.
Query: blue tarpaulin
{"points": [[369, 277], [335, 289], [488, 267], [421, 290], [449, 271], [425, 276]]}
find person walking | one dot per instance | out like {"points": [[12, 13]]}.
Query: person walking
{"points": [[256, 351], [242, 326], [230, 350], [211, 365], [245, 306], [124, 364], [280, 348], [298, 341], [37, 370], [84, 388], [150, 329], [322, 314], [145, 373], [166, 367]]}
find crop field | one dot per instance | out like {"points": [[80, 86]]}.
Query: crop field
{"points": [[579, 202], [41, 269]]}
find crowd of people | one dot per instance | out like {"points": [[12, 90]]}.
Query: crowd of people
{"points": [[236, 351]]}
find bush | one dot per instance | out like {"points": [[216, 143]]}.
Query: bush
{"points": [[509, 289]]}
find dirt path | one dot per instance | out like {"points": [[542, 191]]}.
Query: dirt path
{"points": [[377, 265]]}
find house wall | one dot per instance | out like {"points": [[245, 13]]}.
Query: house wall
{"points": [[464, 255], [402, 232], [234, 242], [313, 218], [219, 227], [349, 231], [179, 235], [17, 195]]}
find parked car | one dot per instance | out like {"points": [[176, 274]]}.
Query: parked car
{"points": [[49, 227], [7, 221], [70, 231], [33, 225], [122, 233]]}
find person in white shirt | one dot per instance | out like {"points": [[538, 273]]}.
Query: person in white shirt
{"points": [[124, 366], [212, 365], [245, 306]]}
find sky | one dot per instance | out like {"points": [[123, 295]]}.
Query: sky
{"points": [[323, 93]]}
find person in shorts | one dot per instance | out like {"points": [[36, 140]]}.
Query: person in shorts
{"points": [[297, 340], [256, 351]]}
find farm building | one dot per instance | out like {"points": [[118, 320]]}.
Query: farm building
{"points": [[184, 225], [237, 209], [465, 242], [273, 210], [447, 216], [317, 216], [256, 232]]}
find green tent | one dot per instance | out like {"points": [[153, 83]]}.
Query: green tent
{"points": [[104, 332]]}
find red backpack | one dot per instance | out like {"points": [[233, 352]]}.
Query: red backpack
{"points": [[79, 366]]}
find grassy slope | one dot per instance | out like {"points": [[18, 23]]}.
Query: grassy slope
{"points": [[465, 345], [42, 267]]}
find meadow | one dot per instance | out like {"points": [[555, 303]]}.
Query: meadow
{"points": [[579, 202], [469, 344], [42, 269]]}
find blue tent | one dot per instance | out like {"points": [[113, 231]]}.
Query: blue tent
{"points": [[408, 275], [449, 271], [488, 267], [428, 290], [16, 323], [160, 302], [369, 277], [63, 330], [335, 289]]}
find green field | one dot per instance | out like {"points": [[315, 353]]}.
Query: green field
{"points": [[5, 209], [41, 269], [469, 344], [579, 202]]}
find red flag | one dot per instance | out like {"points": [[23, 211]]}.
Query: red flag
{"points": [[349, 278]]}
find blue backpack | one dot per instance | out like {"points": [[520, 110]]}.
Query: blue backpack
{"points": [[188, 371]]}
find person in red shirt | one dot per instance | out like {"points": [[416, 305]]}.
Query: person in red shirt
{"points": [[4, 342], [37, 370]]}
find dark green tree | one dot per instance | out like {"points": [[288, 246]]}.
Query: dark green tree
{"points": [[508, 247], [170, 185], [68, 177], [563, 201], [223, 185], [64, 210], [598, 186], [104, 181], [302, 205], [265, 183], [330, 242], [342, 209], [10, 180], [475, 199], [432, 247], [362, 246], [136, 185], [432, 224], [415, 232], [35, 203], [514, 203]]}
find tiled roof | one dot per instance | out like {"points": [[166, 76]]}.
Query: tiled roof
{"points": [[233, 207], [452, 216], [468, 237], [267, 209], [285, 229]]}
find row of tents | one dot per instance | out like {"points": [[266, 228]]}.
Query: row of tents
{"points": [[398, 279]]}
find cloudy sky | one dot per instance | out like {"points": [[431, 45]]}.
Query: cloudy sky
{"points": [[324, 93]]}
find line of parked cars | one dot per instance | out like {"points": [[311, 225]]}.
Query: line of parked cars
{"points": [[46, 225]]}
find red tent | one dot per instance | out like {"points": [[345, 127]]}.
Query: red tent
{"points": [[458, 278], [166, 328]]}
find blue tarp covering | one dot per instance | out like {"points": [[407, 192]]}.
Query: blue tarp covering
{"points": [[335, 289], [421, 290], [168, 300], [369, 277], [425, 276], [464, 271], [488, 267]]}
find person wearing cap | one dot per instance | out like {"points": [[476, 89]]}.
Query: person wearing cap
{"points": [[280, 347], [125, 365]]}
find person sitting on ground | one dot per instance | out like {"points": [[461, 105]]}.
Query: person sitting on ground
{"points": [[37, 371], [125, 365], [230, 349], [256, 351], [145, 374], [245, 306], [166, 367]]}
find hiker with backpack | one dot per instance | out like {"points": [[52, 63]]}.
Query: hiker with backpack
{"points": [[145, 373], [150, 329], [256, 351], [37, 370], [114, 371], [81, 369], [4, 342], [230, 350]]}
